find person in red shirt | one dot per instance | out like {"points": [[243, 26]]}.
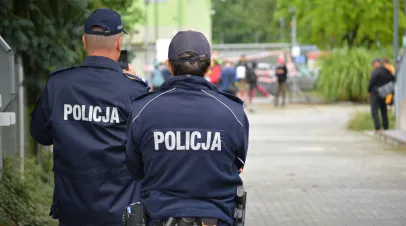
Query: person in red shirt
{"points": [[215, 73]]}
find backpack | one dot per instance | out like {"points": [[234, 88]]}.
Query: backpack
{"points": [[158, 78], [251, 75]]}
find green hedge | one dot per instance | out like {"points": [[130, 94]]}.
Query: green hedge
{"points": [[345, 73], [25, 202], [362, 121]]}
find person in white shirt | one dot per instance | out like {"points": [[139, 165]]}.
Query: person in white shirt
{"points": [[241, 75]]}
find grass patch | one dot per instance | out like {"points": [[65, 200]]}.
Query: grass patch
{"points": [[401, 149], [313, 93], [362, 121], [25, 202]]}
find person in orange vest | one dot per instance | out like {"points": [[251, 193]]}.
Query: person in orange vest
{"points": [[387, 65], [391, 68]]}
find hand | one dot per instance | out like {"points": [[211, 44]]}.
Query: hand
{"points": [[369, 94], [240, 170], [130, 70]]}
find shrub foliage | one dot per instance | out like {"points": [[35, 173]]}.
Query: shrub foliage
{"points": [[25, 202], [345, 74]]}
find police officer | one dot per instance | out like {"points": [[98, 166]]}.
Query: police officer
{"points": [[187, 141], [83, 113]]}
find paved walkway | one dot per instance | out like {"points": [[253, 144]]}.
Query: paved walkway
{"points": [[304, 168]]}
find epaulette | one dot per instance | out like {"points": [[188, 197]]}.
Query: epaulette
{"points": [[232, 97], [61, 70], [136, 78], [143, 95]]}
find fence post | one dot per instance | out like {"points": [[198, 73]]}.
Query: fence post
{"points": [[21, 114], [7, 91]]}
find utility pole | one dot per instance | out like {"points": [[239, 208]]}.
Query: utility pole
{"points": [[156, 20], [21, 114], [180, 15], [395, 48], [146, 45], [282, 29], [156, 29], [222, 37], [293, 11], [396, 29]]}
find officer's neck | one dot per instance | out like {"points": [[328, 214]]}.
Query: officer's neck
{"points": [[106, 54]]}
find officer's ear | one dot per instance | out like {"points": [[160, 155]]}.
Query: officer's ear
{"points": [[207, 70], [120, 43], [84, 42], [169, 66]]}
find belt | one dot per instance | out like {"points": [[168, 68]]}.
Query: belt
{"points": [[188, 221], [93, 173]]}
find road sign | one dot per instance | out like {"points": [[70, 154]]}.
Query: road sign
{"points": [[162, 46], [300, 59], [295, 51]]}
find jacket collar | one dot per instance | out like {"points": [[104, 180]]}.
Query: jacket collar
{"points": [[101, 62], [190, 82]]}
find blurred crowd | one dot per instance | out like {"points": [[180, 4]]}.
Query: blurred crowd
{"points": [[237, 78]]}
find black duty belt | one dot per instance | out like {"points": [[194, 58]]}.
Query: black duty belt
{"points": [[188, 221]]}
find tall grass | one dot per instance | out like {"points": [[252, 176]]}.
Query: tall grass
{"points": [[362, 121], [345, 74]]}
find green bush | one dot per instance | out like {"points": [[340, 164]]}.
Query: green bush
{"points": [[25, 202], [362, 121], [345, 74]]}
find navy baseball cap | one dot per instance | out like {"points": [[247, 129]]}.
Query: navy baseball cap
{"points": [[107, 19], [376, 60], [189, 41]]}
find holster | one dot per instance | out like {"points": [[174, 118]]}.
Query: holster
{"points": [[135, 215], [239, 213]]}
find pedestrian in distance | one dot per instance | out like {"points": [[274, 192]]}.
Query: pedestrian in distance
{"points": [[228, 78], [215, 72], [188, 141], [165, 71], [83, 113], [241, 74], [157, 77], [387, 65], [380, 77], [389, 100], [282, 86], [252, 80]]}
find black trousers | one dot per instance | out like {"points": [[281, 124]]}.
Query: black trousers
{"points": [[378, 104]]}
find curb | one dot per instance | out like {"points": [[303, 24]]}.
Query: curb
{"points": [[396, 137]]}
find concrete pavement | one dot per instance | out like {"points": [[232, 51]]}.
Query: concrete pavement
{"points": [[305, 168]]}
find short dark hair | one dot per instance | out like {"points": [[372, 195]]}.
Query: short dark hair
{"points": [[185, 66]]}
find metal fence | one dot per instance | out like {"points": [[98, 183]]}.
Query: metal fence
{"points": [[11, 105]]}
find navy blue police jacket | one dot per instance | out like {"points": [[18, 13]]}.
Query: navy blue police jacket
{"points": [[83, 113], [185, 143]]}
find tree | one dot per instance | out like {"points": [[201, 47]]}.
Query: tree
{"points": [[129, 12], [331, 23], [244, 21], [46, 34]]}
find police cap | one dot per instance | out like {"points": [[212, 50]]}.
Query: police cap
{"points": [[107, 19], [189, 41]]}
